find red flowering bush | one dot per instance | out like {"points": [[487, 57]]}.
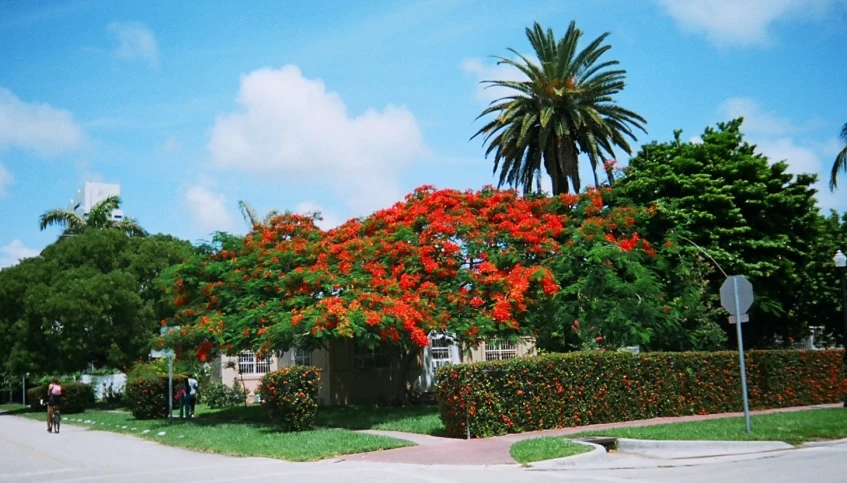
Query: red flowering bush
{"points": [[476, 264], [147, 397], [562, 390], [291, 396]]}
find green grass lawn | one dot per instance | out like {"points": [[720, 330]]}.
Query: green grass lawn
{"points": [[539, 449], [233, 438], [414, 419], [794, 427]]}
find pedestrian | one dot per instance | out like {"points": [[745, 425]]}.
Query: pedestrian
{"points": [[192, 393], [180, 397]]}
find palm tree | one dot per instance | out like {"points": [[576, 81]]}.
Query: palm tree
{"points": [[565, 107], [100, 217], [252, 218], [840, 163]]}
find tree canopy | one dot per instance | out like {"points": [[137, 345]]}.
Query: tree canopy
{"points": [[748, 214], [88, 300]]}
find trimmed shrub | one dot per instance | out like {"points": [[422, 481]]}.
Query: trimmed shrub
{"points": [[218, 395], [291, 396], [76, 396], [575, 389], [147, 397]]}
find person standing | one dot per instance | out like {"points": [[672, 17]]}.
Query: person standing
{"points": [[192, 394]]}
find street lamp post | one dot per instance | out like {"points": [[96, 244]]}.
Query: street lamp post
{"points": [[841, 265]]}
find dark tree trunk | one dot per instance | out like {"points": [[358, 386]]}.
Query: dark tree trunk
{"points": [[401, 386]]}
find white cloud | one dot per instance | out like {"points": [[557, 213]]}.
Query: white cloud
{"points": [[781, 139], [291, 127], [740, 22], [14, 252], [37, 127], [135, 41], [330, 219], [6, 179], [756, 121], [208, 209], [484, 72]]}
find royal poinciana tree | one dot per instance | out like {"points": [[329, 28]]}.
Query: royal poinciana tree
{"points": [[474, 264]]}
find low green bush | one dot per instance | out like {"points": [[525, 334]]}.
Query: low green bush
{"points": [[147, 397], [575, 389], [218, 395], [291, 396], [76, 396]]}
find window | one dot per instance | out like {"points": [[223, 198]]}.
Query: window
{"points": [[500, 350], [376, 358], [248, 363], [302, 357]]}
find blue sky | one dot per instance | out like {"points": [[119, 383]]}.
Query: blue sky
{"points": [[346, 106]]}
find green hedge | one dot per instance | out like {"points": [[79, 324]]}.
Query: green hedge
{"points": [[76, 396], [562, 390], [291, 396], [147, 397]]}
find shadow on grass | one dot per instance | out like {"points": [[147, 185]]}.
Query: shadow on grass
{"points": [[412, 419], [7, 411]]}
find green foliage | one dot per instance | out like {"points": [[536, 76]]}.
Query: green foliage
{"points": [[87, 299], [76, 396], [749, 215], [217, 395], [556, 391], [291, 396], [147, 396]]}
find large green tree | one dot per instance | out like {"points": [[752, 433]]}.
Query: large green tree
{"points": [[88, 300], [840, 163], [100, 217], [746, 214], [566, 106]]}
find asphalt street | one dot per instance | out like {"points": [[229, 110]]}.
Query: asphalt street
{"points": [[29, 453]]}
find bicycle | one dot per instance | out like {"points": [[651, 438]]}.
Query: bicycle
{"points": [[56, 418]]}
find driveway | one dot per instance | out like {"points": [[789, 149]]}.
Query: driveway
{"points": [[29, 453]]}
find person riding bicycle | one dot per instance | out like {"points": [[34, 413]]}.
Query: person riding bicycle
{"points": [[54, 401]]}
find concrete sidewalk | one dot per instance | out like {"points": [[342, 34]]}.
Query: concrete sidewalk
{"points": [[495, 451]]}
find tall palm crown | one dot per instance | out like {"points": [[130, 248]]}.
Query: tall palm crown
{"points": [[100, 217], [840, 163], [565, 107]]}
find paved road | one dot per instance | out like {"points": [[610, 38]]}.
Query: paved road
{"points": [[29, 453]]}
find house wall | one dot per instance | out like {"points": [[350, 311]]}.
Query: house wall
{"points": [[352, 385], [342, 382]]}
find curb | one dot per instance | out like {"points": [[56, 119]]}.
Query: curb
{"points": [[696, 449], [596, 456]]}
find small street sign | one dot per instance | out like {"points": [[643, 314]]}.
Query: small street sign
{"points": [[744, 318]]}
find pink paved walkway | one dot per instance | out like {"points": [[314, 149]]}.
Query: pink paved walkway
{"points": [[495, 451]]}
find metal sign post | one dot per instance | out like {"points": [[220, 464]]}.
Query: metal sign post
{"points": [[736, 298], [170, 387]]}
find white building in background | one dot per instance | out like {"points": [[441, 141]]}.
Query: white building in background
{"points": [[92, 193]]}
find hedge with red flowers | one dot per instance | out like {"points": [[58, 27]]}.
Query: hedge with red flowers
{"points": [[575, 389], [147, 397], [291, 396]]}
